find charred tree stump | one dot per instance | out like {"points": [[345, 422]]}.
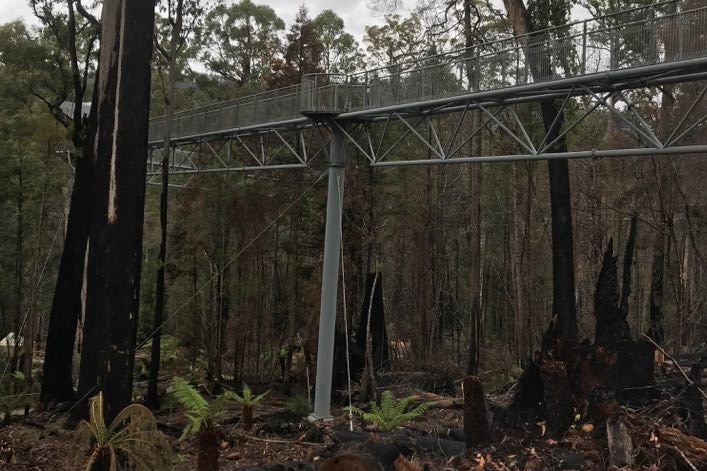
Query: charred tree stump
{"points": [[356, 361], [565, 373], [557, 398], [476, 414]]}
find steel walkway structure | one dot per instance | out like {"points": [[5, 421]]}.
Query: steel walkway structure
{"points": [[588, 67]]}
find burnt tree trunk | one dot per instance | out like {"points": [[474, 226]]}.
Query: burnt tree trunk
{"points": [[611, 326], [57, 384], [656, 330], [627, 266], [564, 309], [174, 44], [378, 331], [113, 283]]}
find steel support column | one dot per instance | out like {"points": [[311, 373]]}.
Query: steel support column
{"points": [[330, 275]]}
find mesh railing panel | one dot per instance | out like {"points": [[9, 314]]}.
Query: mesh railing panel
{"points": [[659, 33]]}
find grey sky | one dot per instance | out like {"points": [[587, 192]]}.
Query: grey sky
{"points": [[14, 9], [355, 13]]}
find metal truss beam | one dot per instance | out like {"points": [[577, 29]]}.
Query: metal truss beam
{"points": [[398, 128], [275, 149], [590, 154]]}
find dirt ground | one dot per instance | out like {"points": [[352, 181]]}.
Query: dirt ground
{"points": [[41, 443]]}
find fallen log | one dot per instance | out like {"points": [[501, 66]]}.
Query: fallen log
{"points": [[690, 453], [439, 402]]}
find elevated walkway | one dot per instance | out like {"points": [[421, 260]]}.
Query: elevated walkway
{"points": [[657, 44]]}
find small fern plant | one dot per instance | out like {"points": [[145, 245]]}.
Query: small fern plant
{"points": [[248, 400], [391, 412], [132, 438], [201, 420]]}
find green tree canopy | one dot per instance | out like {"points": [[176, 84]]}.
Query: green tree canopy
{"points": [[340, 51], [241, 41]]}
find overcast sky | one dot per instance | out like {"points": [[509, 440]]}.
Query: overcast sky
{"points": [[355, 13]]}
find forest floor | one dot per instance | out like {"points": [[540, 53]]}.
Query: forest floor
{"points": [[434, 441]]}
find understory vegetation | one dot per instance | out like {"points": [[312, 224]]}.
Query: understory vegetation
{"points": [[160, 297]]}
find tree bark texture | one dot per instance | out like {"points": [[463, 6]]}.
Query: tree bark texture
{"points": [[57, 383], [118, 190], [564, 308]]}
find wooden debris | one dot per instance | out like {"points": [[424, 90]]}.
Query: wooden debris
{"points": [[690, 452], [439, 402], [677, 365], [620, 445]]}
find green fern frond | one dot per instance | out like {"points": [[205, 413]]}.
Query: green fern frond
{"points": [[188, 397], [247, 398], [390, 412]]}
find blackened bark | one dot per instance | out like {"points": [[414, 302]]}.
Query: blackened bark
{"points": [[377, 323], [655, 330], [628, 263], [564, 310], [694, 410], [477, 429], [118, 189], [557, 397], [611, 326], [57, 383]]}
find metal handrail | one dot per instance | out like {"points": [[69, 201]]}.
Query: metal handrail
{"points": [[593, 47]]}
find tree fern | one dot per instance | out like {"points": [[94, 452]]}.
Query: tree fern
{"points": [[201, 415], [391, 412], [248, 398], [132, 436], [198, 409]]}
